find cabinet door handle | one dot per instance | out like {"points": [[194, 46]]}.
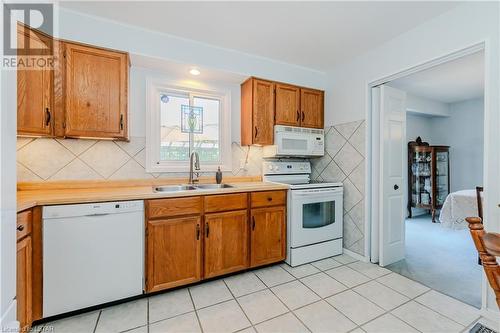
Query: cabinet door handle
{"points": [[298, 115], [253, 222], [47, 116], [121, 122], [303, 116], [197, 232], [256, 131], [207, 228], [20, 228]]}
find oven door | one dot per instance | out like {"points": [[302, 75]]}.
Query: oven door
{"points": [[315, 216]]}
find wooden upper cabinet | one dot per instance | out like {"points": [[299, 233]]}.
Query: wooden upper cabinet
{"points": [[96, 83], [35, 115], [226, 243], [267, 235], [257, 112], [312, 108], [287, 105], [173, 254]]}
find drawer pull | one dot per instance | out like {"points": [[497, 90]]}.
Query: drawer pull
{"points": [[269, 199], [20, 227]]}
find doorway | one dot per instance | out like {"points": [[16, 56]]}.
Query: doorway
{"points": [[431, 143]]}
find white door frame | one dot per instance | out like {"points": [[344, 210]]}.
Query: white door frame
{"points": [[373, 146]]}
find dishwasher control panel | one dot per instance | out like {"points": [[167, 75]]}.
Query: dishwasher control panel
{"points": [[90, 209]]}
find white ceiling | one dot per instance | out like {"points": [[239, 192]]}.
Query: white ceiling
{"points": [[451, 82], [317, 35]]}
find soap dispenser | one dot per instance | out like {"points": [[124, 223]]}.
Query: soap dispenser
{"points": [[218, 176]]}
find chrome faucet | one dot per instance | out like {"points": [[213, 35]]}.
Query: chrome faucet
{"points": [[194, 159]]}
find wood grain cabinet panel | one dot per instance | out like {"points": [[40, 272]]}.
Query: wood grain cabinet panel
{"points": [[287, 105], [268, 198], [24, 282], [225, 202], [257, 112], [174, 207], [173, 255], [312, 108], [267, 235], [96, 83], [226, 243], [35, 115]]}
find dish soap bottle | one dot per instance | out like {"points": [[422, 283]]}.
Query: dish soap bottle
{"points": [[218, 176]]}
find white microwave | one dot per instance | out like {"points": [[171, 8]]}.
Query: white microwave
{"points": [[296, 141]]}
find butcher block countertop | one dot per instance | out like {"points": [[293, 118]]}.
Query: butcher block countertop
{"points": [[55, 193]]}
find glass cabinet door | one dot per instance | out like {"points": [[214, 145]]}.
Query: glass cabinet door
{"points": [[442, 177], [422, 178]]}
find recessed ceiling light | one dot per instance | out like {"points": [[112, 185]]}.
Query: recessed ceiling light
{"points": [[194, 71]]}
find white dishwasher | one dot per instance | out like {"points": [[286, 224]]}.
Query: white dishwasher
{"points": [[92, 254]]}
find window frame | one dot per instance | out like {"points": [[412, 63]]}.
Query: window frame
{"points": [[153, 117]]}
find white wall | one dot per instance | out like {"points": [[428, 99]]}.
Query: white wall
{"points": [[8, 200], [425, 106], [98, 31], [463, 132], [466, 25]]}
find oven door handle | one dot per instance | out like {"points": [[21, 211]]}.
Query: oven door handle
{"points": [[316, 193]]}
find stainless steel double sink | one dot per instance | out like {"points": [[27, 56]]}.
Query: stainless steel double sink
{"points": [[189, 187]]}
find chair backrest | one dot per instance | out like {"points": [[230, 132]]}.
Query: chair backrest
{"points": [[488, 246], [479, 189]]}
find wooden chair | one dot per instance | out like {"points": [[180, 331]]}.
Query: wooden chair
{"points": [[479, 189], [488, 246]]}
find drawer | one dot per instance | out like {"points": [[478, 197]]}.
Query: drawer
{"points": [[24, 223], [268, 198], [174, 207], [225, 202]]}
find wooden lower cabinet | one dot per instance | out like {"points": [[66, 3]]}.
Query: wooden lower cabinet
{"points": [[173, 255], [267, 235], [24, 282], [226, 243]]}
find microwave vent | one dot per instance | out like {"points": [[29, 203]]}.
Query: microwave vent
{"points": [[293, 129]]}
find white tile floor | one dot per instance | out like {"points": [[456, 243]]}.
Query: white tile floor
{"points": [[338, 294]]}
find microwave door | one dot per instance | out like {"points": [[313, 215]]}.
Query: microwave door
{"points": [[298, 145]]}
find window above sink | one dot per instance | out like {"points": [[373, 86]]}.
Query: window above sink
{"points": [[184, 120]]}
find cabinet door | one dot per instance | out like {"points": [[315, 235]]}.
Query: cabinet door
{"points": [[34, 88], [311, 102], [263, 112], [287, 105], [96, 92], [226, 243], [267, 237], [24, 282], [173, 255]]}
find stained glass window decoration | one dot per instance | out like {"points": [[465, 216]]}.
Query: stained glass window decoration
{"points": [[191, 119]]}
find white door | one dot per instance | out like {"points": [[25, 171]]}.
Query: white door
{"points": [[393, 162]]}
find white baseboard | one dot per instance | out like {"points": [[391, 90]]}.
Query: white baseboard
{"points": [[490, 314], [355, 255], [8, 322]]}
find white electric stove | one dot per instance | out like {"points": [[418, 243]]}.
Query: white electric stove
{"points": [[315, 211]]}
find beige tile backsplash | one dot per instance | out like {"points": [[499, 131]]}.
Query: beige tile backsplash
{"points": [[74, 159]]}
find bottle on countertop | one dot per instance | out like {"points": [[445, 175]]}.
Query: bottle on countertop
{"points": [[218, 176]]}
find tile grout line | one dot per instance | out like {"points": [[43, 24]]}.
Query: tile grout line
{"points": [[195, 310], [286, 306], [239, 305], [97, 321]]}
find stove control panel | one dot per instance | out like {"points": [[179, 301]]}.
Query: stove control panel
{"points": [[284, 167]]}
